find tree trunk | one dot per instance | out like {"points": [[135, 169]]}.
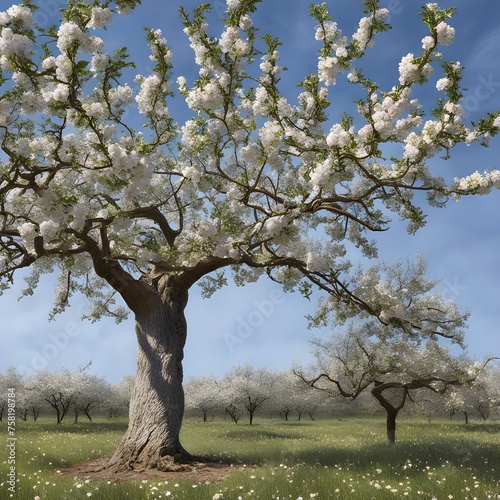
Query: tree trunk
{"points": [[391, 410], [391, 425], [157, 401]]}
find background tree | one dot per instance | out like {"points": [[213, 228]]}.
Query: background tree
{"points": [[11, 379], [290, 396], [203, 395], [92, 392], [118, 402], [57, 389], [394, 368], [247, 389], [489, 384], [282, 400], [239, 184]]}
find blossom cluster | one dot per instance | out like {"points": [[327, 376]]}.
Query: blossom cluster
{"points": [[100, 18], [71, 36], [17, 14], [147, 98], [12, 43]]}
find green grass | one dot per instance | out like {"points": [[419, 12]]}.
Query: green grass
{"points": [[276, 460]]}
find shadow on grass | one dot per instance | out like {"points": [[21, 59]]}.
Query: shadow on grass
{"points": [[464, 453], [482, 427], [255, 434], [463, 450], [78, 428]]}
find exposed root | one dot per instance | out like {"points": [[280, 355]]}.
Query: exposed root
{"points": [[167, 469]]}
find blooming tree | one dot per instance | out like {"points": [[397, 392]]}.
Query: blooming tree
{"points": [[479, 398], [92, 392], [100, 183], [57, 390], [246, 389], [395, 368], [118, 401], [11, 379], [203, 395]]}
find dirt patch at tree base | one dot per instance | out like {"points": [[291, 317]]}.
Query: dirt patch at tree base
{"points": [[198, 472]]}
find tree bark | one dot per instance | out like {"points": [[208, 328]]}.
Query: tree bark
{"points": [[157, 402], [391, 410], [391, 425]]}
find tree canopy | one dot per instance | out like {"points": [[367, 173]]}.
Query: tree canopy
{"points": [[240, 182]]}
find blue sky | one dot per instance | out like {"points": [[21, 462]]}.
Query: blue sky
{"points": [[258, 324]]}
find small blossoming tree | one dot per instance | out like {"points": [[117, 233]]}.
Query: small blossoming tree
{"points": [[394, 367], [238, 185]]}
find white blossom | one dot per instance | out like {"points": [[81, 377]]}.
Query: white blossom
{"points": [[191, 173], [68, 35], [122, 94], [408, 71], [327, 70], [208, 230], [147, 98], [100, 18], [49, 62], [315, 262], [270, 134], [338, 137], [262, 102], [31, 103], [245, 22], [64, 68], [228, 39], [329, 31], [49, 230], [428, 42], [443, 83], [13, 43], [221, 250], [274, 225], [20, 14], [99, 62], [362, 35], [209, 97], [233, 4], [320, 176], [95, 109], [28, 232], [445, 33]]}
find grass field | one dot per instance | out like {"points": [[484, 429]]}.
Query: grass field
{"points": [[275, 460]]}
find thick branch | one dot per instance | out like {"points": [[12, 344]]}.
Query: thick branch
{"points": [[154, 214]]}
